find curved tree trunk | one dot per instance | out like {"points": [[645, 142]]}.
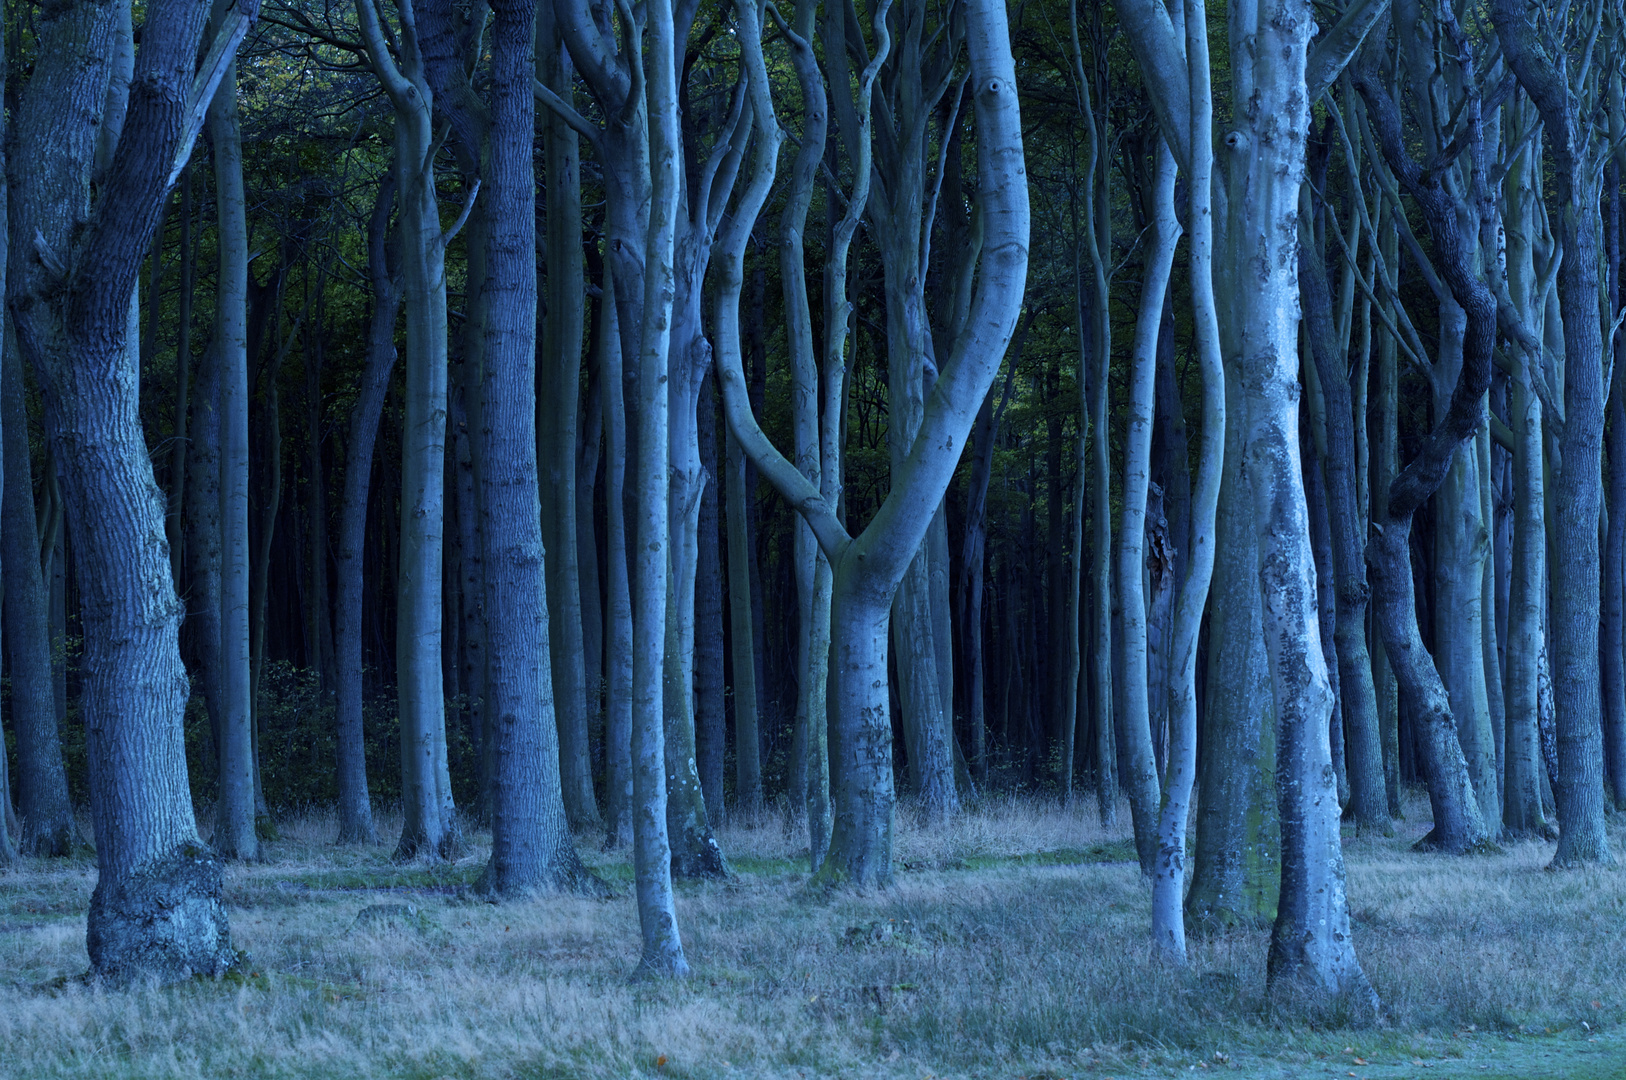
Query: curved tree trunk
{"points": [[1140, 765]]}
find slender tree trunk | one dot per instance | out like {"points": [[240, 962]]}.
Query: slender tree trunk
{"points": [[651, 586], [355, 805], [234, 836], [1364, 752], [1168, 888], [1141, 778], [710, 736], [47, 825], [618, 623], [426, 831], [560, 356]]}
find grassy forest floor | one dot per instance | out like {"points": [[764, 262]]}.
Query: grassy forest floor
{"points": [[1015, 944]]}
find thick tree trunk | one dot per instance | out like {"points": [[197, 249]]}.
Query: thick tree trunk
{"points": [[1310, 941], [157, 910], [530, 840], [1236, 869]]}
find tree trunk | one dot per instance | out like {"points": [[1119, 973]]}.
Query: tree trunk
{"points": [[156, 910], [1141, 778], [710, 736], [1368, 806], [560, 356], [47, 825], [530, 840], [426, 831], [618, 621], [355, 805], [234, 836]]}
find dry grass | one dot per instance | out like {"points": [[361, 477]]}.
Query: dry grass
{"points": [[1014, 944]]}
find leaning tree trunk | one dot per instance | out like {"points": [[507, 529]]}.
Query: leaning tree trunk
{"points": [[1458, 824], [1363, 751], [156, 911]]}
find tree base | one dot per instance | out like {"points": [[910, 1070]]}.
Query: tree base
{"points": [[164, 922], [59, 841], [697, 857], [568, 876], [1433, 843]]}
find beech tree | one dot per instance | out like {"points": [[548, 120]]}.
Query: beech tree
{"points": [[157, 908]]}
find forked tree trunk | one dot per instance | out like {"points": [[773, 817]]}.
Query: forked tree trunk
{"points": [[426, 830], [156, 910]]}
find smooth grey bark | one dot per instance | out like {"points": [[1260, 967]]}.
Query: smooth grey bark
{"points": [[355, 805], [1168, 888], [1310, 940], [560, 356], [1368, 806], [1458, 824], [1573, 618], [662, 952], [869, 568], [1140, 766], [1236, 868], [234, 835], [1385, 466], [156, 911], [45, 815], [710, 739], [426, 831]]}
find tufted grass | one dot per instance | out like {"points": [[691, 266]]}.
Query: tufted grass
{"points": [[1014, 944]]}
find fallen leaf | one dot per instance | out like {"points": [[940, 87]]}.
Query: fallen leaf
{"points": [[660, 1062], [1358, 1061]]}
